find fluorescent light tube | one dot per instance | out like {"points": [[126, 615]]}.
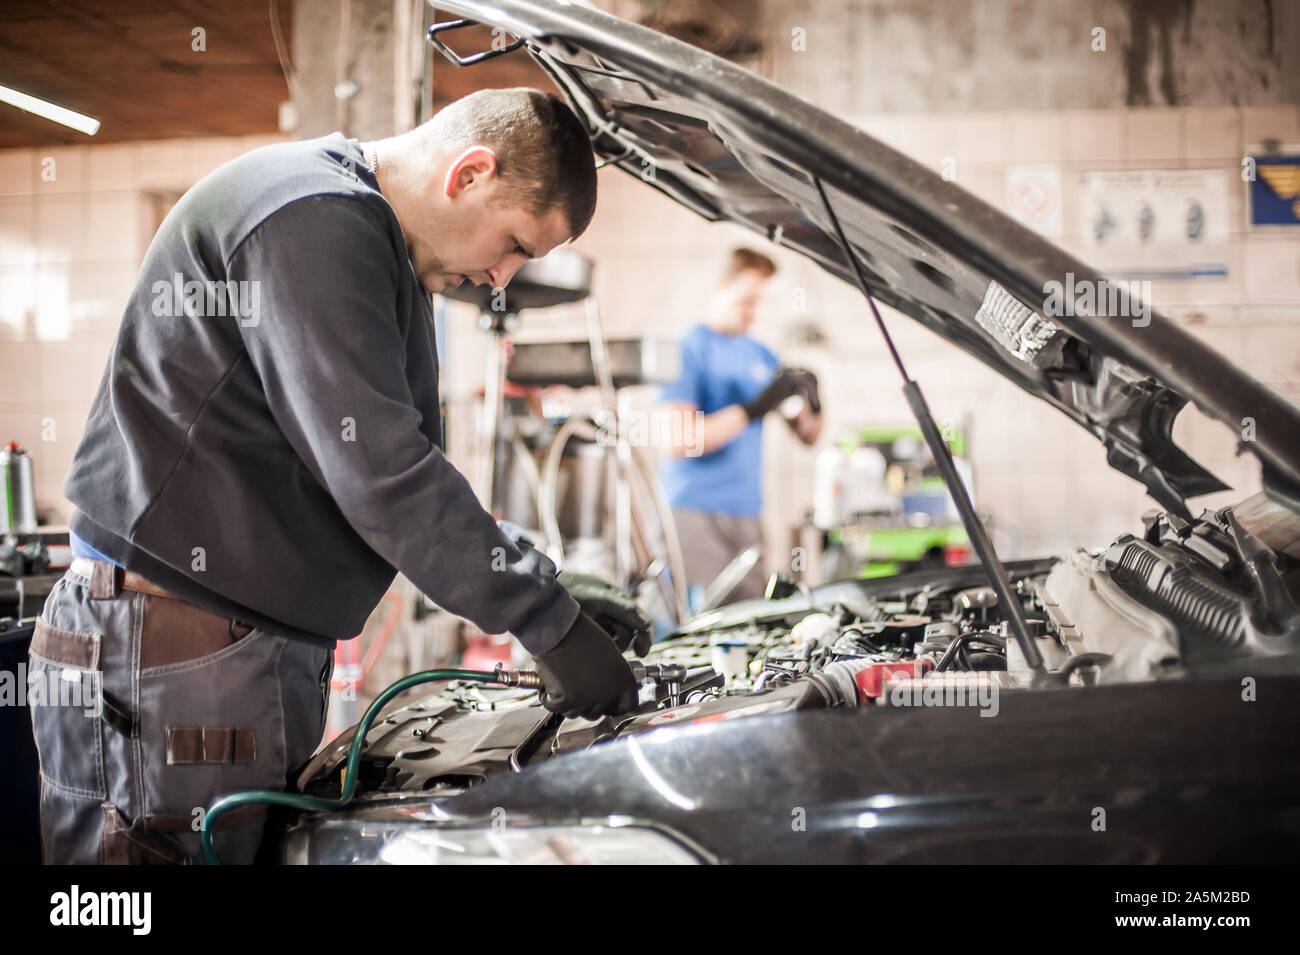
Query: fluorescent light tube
{"points": [[58, 114]]}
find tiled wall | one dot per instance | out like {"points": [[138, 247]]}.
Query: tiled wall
{"points": [[74, 225]]}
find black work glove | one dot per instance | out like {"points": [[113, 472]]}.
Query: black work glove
{"points": [[613, 611], [806, 383], [785, 384], [585, 675]]}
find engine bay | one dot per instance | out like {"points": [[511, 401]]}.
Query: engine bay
{"points": [[1184, 599]]}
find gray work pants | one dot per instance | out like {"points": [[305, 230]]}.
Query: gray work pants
{"points": [[146, 709], [711, 541]]}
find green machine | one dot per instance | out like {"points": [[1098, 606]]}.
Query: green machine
{"points": [[882, 506]]}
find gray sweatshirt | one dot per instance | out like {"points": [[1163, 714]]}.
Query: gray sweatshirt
{"points": [[266, 440]]}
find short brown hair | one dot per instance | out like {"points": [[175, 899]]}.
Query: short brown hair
{"points": [[544, 155], [747, 260]]}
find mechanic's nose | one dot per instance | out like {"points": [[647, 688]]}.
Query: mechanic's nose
{"points": [[503, 273]]}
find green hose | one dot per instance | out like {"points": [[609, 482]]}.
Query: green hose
{"points": [[316, 803]]}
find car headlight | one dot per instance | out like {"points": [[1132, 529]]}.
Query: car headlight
{"points": [[609, 843]]}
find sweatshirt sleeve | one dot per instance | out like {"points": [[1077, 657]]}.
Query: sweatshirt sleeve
{"points": [[328, 349]]}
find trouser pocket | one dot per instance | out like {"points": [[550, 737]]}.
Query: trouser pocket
{"points": [[208, 727], [123, 842], [64, 694]]}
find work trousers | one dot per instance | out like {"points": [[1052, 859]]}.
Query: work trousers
{"points": [[145, 709], [711, 541]]}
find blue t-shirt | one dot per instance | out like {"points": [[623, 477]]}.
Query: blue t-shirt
{"points": [[81, 548], [720, 370]]}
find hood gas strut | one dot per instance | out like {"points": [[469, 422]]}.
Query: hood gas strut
{"points": [[943, 458]]}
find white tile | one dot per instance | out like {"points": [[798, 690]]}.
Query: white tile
{"points": [[59, 228], [21, 426], [110, 167], [17, 171], [1269, 352], [112, 229], [1037, 136], [17, 232], [97, 297], [926, 139], [70, 373], [205, 155], [20, 384], [17, 303], [1094, 135], [981, 138], [52, 302], [162, 164], [1260, 123], [1272, 268], [1152, 133], [1212, 132]]}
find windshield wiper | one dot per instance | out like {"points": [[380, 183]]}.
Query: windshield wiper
{"points": [[979, 537]]}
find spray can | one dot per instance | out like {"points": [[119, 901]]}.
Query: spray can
{"points": [[18, 513]]}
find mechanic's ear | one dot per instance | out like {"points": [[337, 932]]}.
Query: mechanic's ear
{"points": [[475, 165]]}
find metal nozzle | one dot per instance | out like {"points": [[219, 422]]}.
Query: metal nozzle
{"points": [[528, 679], [658, 673]]}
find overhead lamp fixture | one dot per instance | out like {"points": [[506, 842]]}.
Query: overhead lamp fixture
{"points": [[58, 114]]}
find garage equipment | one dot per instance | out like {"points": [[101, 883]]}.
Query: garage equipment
{"points": [[560, 278], [597, 502]]}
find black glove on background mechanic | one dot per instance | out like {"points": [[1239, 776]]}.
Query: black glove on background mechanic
{"points": [[613, 611], [788, 381], [585, 675], [807, 386]]}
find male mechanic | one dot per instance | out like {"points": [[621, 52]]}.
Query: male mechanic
{"points": [[265, 452], [731, 381]]}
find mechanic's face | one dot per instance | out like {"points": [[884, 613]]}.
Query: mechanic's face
{"points": [[475, 232], [736, 303]]}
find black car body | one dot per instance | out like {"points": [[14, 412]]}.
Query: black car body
{"points": [[1165, 730]]}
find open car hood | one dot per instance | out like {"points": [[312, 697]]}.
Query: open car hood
{"points": [[730, 145]]}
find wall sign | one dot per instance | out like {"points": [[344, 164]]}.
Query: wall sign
{"points": [[1034, 197], [1156, 223], [1275, 190]]}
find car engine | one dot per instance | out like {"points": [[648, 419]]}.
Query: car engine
{"points": [[1184, 599]]}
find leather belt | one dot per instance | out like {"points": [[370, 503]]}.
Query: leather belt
{"points": [[129, 579], [106, 580]]}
